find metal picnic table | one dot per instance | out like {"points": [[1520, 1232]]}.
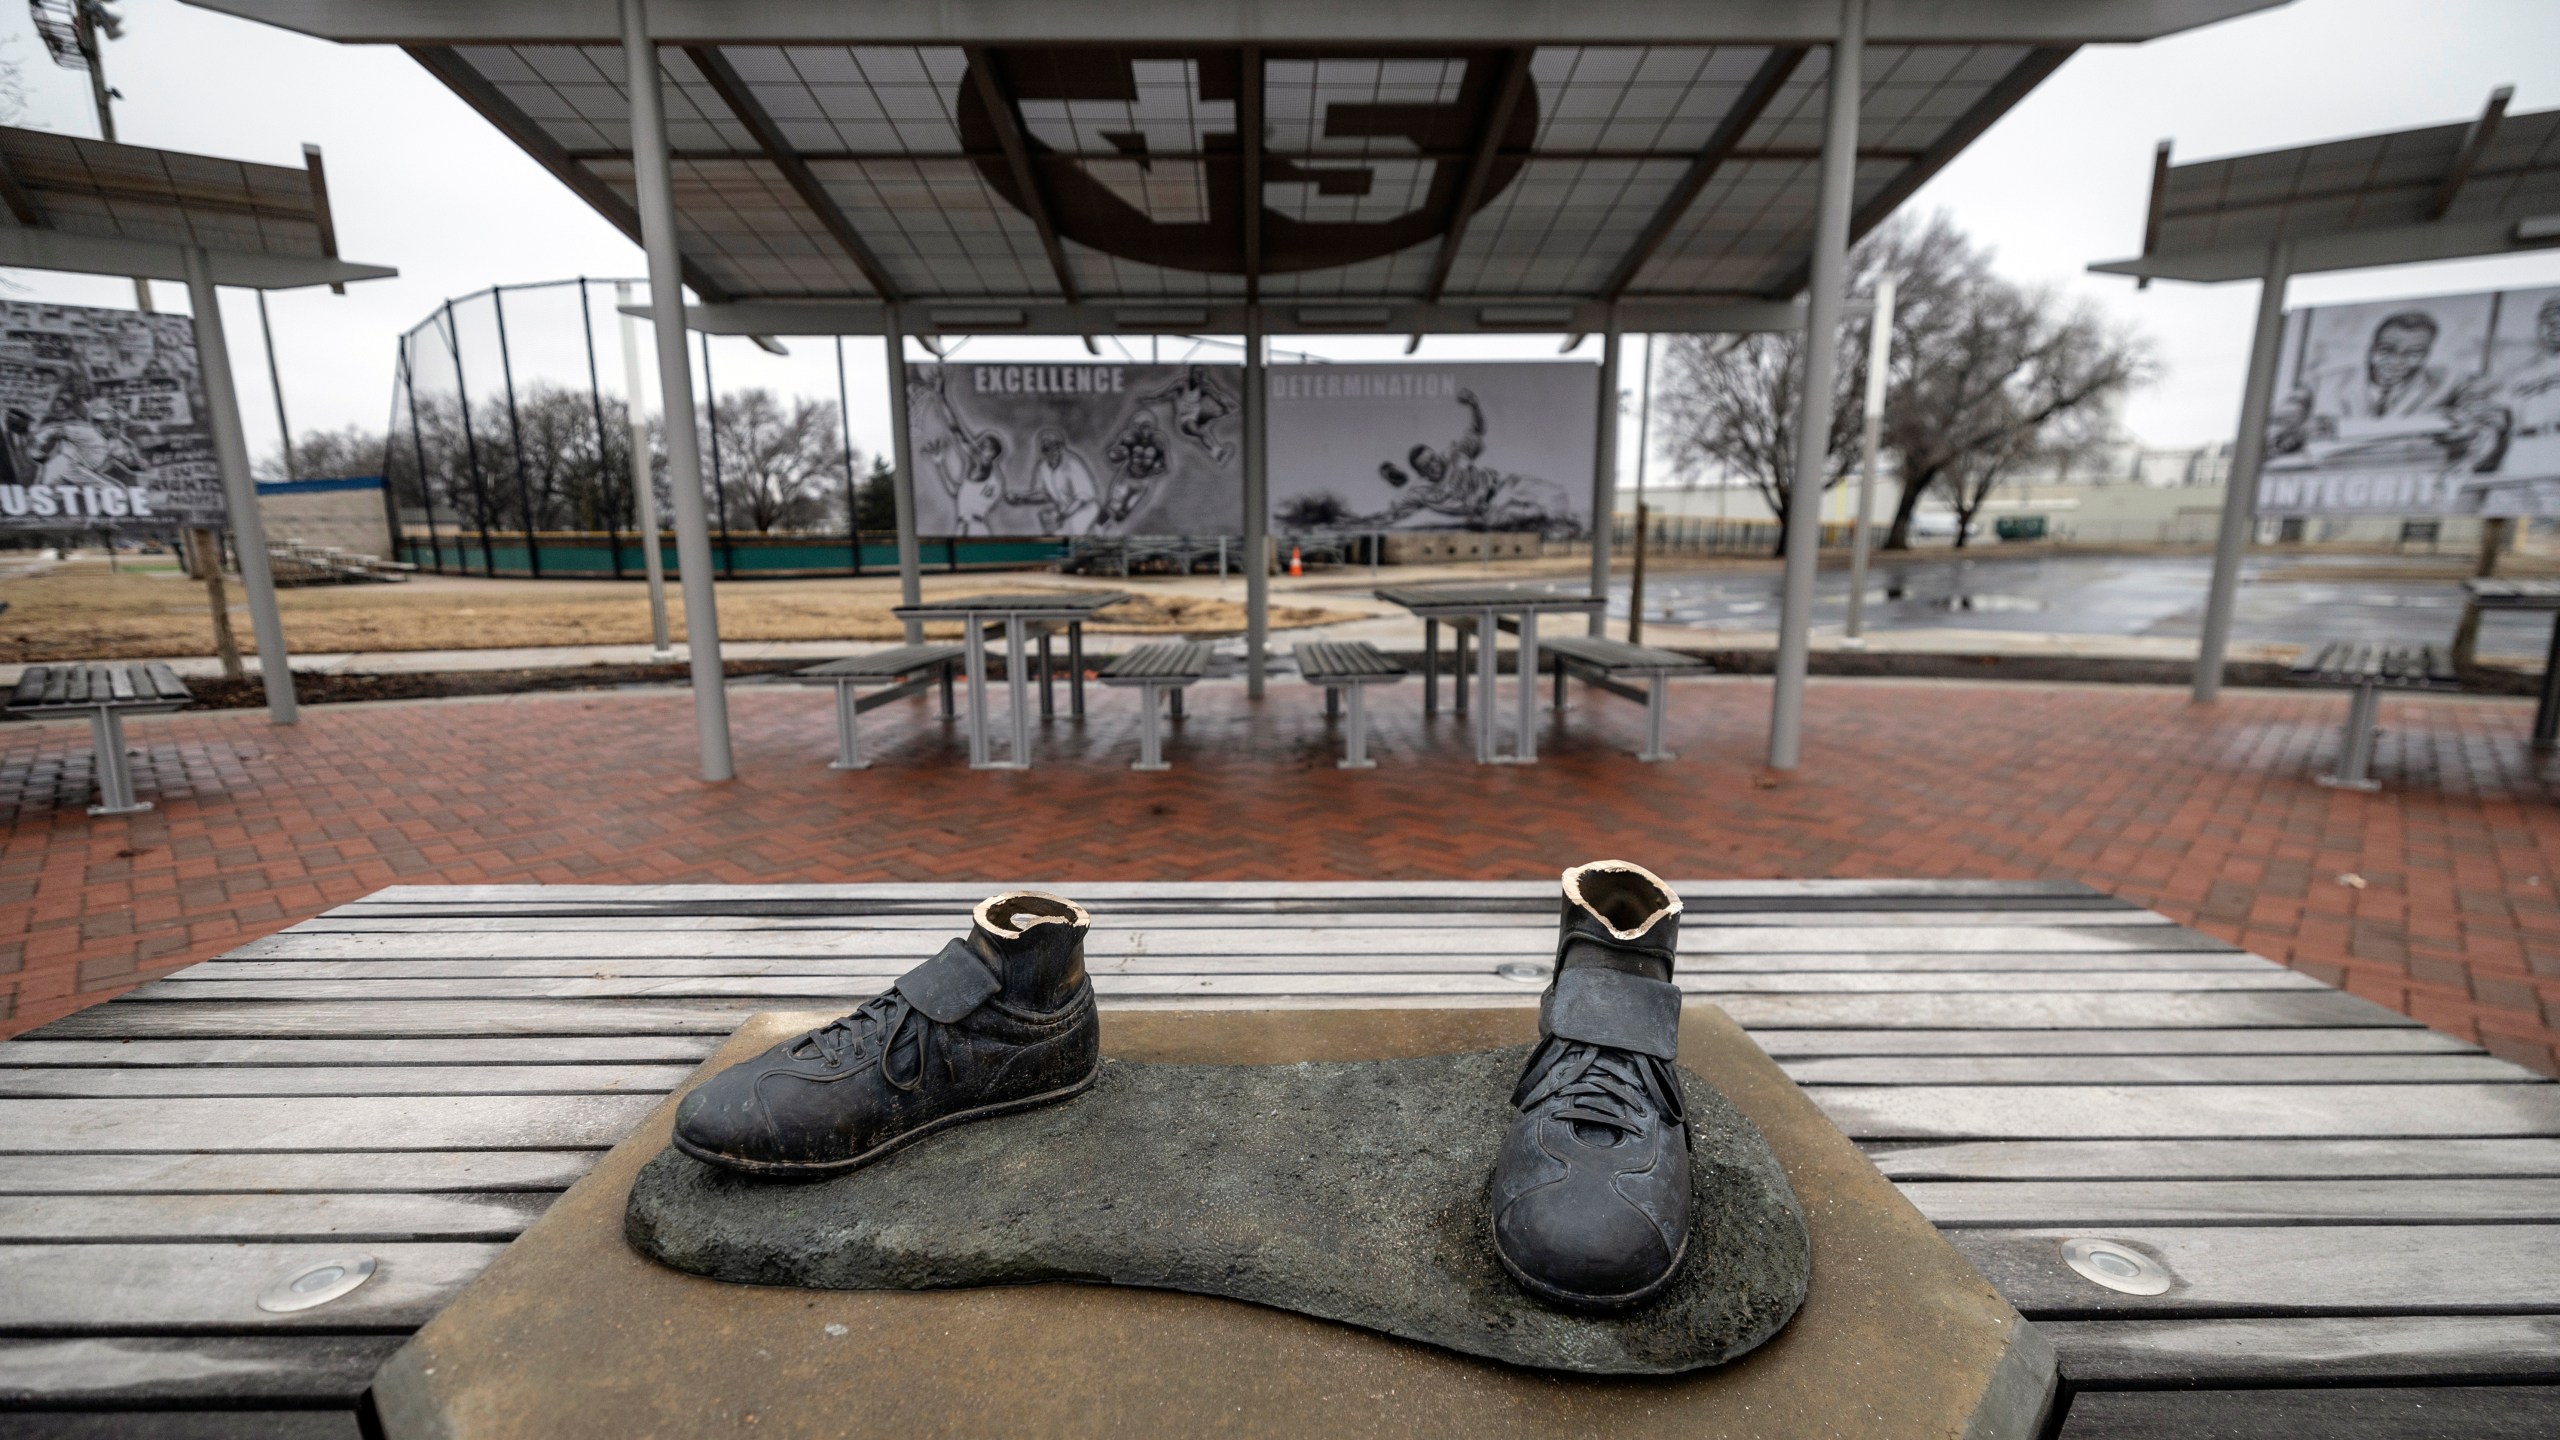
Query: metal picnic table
{"points": [[1488, 610], [1048, 610], [2490, 593], [2360, 1216]]}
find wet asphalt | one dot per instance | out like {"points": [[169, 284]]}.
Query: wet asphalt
{"points": [[2286, 598]]}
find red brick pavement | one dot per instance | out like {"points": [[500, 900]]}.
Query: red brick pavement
{"points": [[2208, 814]]}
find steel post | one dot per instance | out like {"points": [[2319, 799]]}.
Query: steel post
{"points": [[656, 187], [1257, 511], [604, 448], [1604, 473], [1879, 359], [515, 433], [239, 491], [2240, 492], [1821, 369], [644, 488], [903, 486]]}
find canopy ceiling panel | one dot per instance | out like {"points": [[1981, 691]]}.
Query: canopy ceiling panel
{"points": [[2438, 192], [1635, 151]]}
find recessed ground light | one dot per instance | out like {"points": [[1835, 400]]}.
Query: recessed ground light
{"points": [[314, 1283], [2116, 1266], [1525, 971]]}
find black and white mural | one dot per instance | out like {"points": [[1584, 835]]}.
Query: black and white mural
{"points": [[102, 421], [1495, 446], [1077, 449], [2443, 405]]}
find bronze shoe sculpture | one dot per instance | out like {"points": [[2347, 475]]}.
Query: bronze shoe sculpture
{"points": [[1590, 1196], [1000, 1021]]}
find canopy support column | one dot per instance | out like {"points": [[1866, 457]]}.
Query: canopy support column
{"points": [[239, 490], [902, 483], [1604, 475], [2240, 492], [1257, 511], [1821, 371], [651, 174], [644, 494]]}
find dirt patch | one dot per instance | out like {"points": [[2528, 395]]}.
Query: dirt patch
{"points": [[81, 612]]}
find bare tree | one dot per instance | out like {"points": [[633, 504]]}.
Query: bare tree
{"points": [[778, 464], [1986, 375], [353, 450]]}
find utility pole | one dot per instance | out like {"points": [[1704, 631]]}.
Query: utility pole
{"points": [[72, 31], [1644, 445], [275, 382]]}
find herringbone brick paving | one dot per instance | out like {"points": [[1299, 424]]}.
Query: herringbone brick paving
{"points": [[2434, 897]]}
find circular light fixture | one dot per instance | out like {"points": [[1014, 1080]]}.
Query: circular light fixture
{"points": [[2117, 1266], [314, 1283]]}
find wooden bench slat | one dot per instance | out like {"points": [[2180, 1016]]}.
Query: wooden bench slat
{"points": [[2351, 1413], [2357, 1350], [67, 1082], [30, 686], [2334, 1159], [2108, 1203], [2159, 1112], [166, 683], [1619, 657], [315, 1171], [164, 1372], [2353, 664], [121, 1287], [2273, 1270], [1167, 660], [275, 1219], [449, 1122], [884, 664]]}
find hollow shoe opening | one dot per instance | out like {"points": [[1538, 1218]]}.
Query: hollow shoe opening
{"points": [[1009, 915], [1626, 897]]}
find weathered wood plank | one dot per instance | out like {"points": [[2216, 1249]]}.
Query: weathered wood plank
{"points": [[2273, 1270], [2150, 1070], [343, 1080], [185, 1425], [1334, 892], [276, 1218], [2018, 1203], [358, 920], [2422, 1413], [1196, 979], [1454, 960], [2214, 1159], [1859, 1044], [2137, 1112], [377, 1171], [387, 1122], [1697, 940], [468, 1050], [77, 1289], [227, 1371], [2362, 1350], [2238, 1010]]}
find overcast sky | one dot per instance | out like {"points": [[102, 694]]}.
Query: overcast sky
{"points": [[421, 183]]}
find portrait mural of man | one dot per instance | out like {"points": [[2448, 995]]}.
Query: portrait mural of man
{"points": [[102, 421], [1069, 450], [2433, 406]]}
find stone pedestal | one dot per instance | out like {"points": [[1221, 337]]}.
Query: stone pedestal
{"points": [[571, 1333]]}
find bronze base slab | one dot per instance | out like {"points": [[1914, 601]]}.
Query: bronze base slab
{"points": [[571, 1333]]}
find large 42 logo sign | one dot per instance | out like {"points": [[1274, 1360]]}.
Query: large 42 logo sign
{"points": [[1139, 155]]}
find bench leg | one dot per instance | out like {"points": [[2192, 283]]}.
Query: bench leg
{"points": [[1488, 661], [1075, 668], [1458, 657], [1048, 679], [1524, 750], [1177, 701], [1559, 685], [946, 690], [1355, 744], [1332, 702], [1151, 731], [115, 778], [848, 741], [977, 653], [2355, 745], [1431, 666], [1655, 698], [1015, 682]]}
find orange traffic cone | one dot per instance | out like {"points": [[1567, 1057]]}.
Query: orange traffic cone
{"points": [[1294, 567]]}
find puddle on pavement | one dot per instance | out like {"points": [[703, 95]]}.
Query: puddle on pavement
{"points": [[1989, 604]]}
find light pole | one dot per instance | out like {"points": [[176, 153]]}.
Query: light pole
{"points": [[72, 30]]}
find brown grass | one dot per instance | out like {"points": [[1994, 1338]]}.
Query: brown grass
{"points": [[80, 612]]}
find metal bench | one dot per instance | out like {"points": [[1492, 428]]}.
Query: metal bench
{"points": [[906, 670], [1166, 666], [1353, 666], [1608, 664], [106, 694], [2366, 667]]}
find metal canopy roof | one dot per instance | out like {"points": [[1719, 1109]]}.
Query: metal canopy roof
{"points": [[1158, 164], [2439, 193], [94, 207]]}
